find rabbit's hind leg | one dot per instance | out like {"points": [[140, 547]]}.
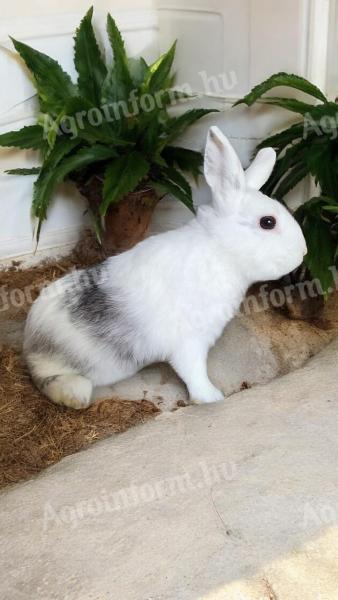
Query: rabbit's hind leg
{"points": [[60, 383]]}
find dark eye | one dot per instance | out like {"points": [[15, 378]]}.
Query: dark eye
{"points": [[268, 222]]}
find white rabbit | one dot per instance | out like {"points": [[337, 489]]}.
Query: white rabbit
{"points": [[169, 297]]}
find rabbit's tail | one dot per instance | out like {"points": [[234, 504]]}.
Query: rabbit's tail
{"points": [[60, 383]]}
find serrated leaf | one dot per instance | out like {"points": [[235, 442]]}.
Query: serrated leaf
{"points": [[88, 61], [122, 176], [58, 166], [331, 208], [330, 109], [282, 79], [174, 182], [166, 186], [312, 206], [178, 179], [138, 70], [184, 159], [121, 80], [293, 155], [113, 91], [76, 122], [319, 158], [150, 136], [53, 130], [172, 97], [53, 84], [32, 171], [295, 175], [177, 125], [321, 247], [283, 138], [302, 108], [321, 250], [159, 72], [336, 255], [28, 137]]}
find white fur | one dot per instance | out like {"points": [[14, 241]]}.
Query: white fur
{"points": [[74, 391], [176, 291], [260, 169]]}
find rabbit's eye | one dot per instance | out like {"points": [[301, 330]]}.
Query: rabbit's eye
{"points": [[268, 222]]}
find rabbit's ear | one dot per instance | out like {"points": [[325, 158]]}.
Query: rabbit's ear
{"points": [[222, 167], [261, 168]]}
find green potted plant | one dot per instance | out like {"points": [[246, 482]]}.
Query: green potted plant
{"points": [[110, 133], [307, 147]]}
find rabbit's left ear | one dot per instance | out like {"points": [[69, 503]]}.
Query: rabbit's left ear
{"points": [[261, 168], [222, 167]]}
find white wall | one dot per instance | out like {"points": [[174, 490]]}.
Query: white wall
{"points": [[246, 41], [37, 8], [233, 43]]}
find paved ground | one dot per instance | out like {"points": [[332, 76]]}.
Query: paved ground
{"points": [[235, 501]]}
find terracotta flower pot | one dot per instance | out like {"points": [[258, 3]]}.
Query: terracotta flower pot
{"points": [[126, 223]]}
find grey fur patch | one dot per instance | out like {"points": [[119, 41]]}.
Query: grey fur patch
{"points": [[101, 312], [41, 343], [87, 301], [48, 380]]}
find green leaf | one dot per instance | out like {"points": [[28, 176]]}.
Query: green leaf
{"points": [[176, 177], [173, 182], [54, 86], [114, 92], [177, 125], [319, 159], [76, 122], [283, 138], [295, 175], [42, 195], [150, 136], [321, 248], [62, 148], [53, 130], [25, 138], [282, 79], [184, 159], [166, 186], [291, 104], [331, 208], [138, 70], [294, 154], [336, 255], [58, 166], [172, 97], [330, 109], [159, 71], [121, 80], [88, 61], [32, 171], [312, 206], [122, 176]]}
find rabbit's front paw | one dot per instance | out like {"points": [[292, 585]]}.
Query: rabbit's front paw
{"points": [[207, 395]]}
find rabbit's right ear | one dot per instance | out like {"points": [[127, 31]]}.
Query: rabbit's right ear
{"points": [[261, 168], [222, 168]]}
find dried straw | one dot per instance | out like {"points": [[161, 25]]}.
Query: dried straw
{"points": [[35, 433]]}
